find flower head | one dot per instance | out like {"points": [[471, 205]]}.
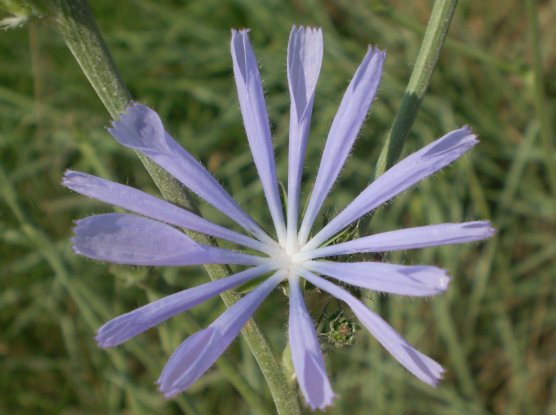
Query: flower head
{"points": [[150, 236]]}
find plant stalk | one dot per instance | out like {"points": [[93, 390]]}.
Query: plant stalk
{"points": [[433, 41]]}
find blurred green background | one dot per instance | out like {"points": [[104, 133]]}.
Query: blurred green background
{"points": [[494, 330]]}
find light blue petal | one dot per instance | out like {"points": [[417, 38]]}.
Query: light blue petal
{"points": [[144, 204], [197, 354], [423, 367], [400, 177], [304, 63], [141, 129], [306, 353], [415, 281], [134, 240], [255, 120], [345, 127], [410, 238], [129, 325]]}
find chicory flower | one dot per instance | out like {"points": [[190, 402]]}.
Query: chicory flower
{"points": [[150, 235]]}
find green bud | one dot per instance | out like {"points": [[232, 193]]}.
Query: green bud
{"points": [[338, 330]]}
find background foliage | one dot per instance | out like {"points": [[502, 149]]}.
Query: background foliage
{"points": [[494, 330]]}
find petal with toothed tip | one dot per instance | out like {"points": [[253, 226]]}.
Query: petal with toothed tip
{"points": [[306, 353], [255, 120], [304, 62], [144, 204], [133, 240], [197, 354], [141, 129], [343, 132], [417, 281], [423, 367], [400, 177], [129, 325], [409, 238]]}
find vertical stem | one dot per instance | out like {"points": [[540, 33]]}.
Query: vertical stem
{"points": [[543, 303], [433, 41], [77, 25], [539, 94], [75, 21]]}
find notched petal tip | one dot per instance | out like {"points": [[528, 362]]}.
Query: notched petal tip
{"points": [[435, 279], [306, 29], [466, 129], [74, 247], [481, 224], [481, 229], [315, 384], [428, 370], [443, 283], [305, 49], [435, 381], [76, 239], [245, 63], [455, 142], [119, 330], [130, 109], [68, 173], [369, 73], [188, 362], [140, 128], [77, 181], [375, 49], [241, 31], [69, 177], [104, 343]]}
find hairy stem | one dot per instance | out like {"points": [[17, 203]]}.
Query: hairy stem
{"points": [[433, 41]]}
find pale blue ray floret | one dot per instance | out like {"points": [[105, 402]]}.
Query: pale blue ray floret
{"points": [[151, 237]]}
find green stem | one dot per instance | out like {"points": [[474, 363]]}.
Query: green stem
{"points": [[539, 94], [464, 48], [75, 21], [546, 133], [433, 41]]}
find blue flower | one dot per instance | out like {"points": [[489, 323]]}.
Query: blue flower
{"points": [[150, 237]]}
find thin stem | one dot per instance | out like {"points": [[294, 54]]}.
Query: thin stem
{"points": [[543, 303], [464, 48], [539, 94], [433, 41], [75, 21]]}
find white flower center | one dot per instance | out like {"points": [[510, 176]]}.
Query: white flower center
{"points": [[289, 257]]}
